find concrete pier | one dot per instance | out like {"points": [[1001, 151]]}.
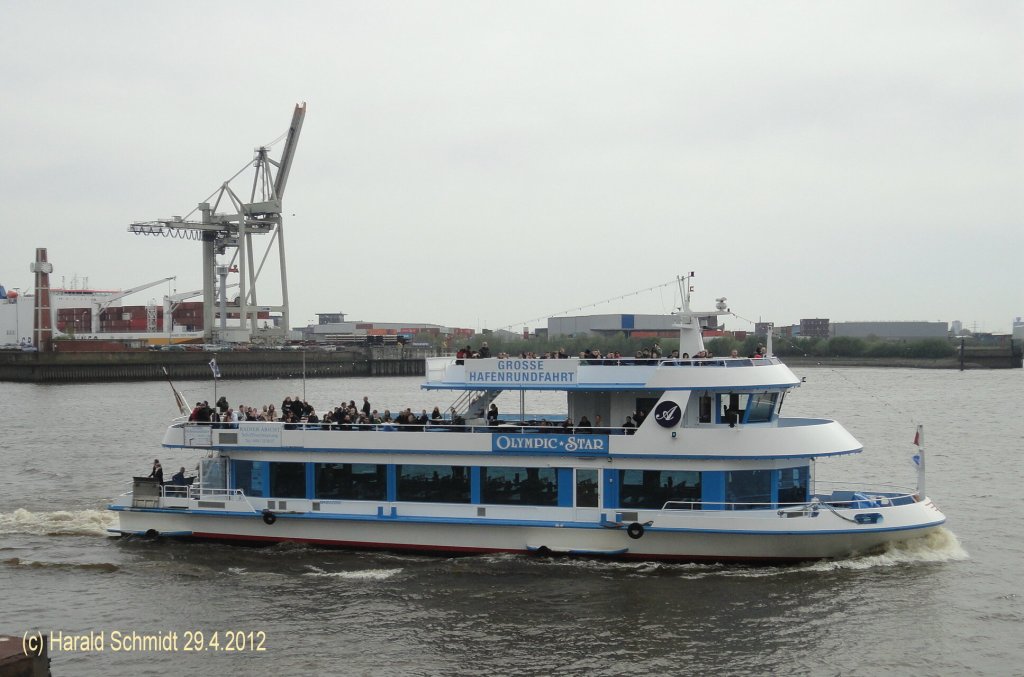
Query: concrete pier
{"points": [[184, 365], [15, 662]]}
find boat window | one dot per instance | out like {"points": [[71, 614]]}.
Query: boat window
{"points": [[646, 404], [213, 473], [519, 486], [433, 483], [793, 485], [586, 487], [705, 409], [731, 414], [355, 481], [248, 477], [288, 480], [748, 489], [761, 407], [652, 489]]}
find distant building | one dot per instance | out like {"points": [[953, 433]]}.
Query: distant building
{"points": [[330, 318], [339, 332], [816, 327], [956, 327], [639, 326], [1018, 329], [892, 330]]}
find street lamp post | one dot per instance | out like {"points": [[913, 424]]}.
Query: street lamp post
{"points": [[17, 314]]}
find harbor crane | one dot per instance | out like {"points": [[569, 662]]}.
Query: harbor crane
{"points": [[231, 233], [99, 306]]}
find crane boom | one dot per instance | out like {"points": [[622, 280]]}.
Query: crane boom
{"points": [[285, 165], [100, 306]]}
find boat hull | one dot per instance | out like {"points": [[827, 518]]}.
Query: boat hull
{"points": [[760, 538]]}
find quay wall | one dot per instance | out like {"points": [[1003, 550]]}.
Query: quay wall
{"points": [[972, 359], [147, 365]]}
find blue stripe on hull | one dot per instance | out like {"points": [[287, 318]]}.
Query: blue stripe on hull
{"points": [[523, 523]]}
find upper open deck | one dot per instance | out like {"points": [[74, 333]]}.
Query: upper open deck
{"points": [[623, 373]]}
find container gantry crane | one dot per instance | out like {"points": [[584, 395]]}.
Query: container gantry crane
{"points": [[231, 233]]}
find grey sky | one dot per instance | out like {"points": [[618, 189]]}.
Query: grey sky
{"points": [[481, 163]]}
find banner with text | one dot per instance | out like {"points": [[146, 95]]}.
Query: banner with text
{"points": [[522, 372], [569, 444]]}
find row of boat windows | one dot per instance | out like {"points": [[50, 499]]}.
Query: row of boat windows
{"points": [[582, 487]]}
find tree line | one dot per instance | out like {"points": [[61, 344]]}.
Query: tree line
{"points": [[838, 346]]}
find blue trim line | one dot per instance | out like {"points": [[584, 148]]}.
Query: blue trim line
{"points": [[614, 386], [477, 521]]}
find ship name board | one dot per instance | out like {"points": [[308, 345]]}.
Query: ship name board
{"points": [[520, 371], [570, 444], [252, 434]]}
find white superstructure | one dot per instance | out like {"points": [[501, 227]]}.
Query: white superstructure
{"points": [[712, 471]]}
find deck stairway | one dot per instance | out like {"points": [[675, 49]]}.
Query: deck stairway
{"points": [[473, 404]]}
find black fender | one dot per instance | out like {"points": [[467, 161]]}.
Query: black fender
{"points": [[635, 530], [269, 517]]}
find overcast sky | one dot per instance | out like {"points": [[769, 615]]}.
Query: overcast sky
{"points": [[482, 164]]}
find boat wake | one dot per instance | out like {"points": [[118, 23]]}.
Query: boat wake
{"points": [[102, 567], [941, 545], [361, 575], [58, 523]]}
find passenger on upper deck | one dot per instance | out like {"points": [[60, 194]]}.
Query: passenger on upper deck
{"points": [[158, 471], [178, 478], [492, 415], [628, 426], [484, 351]]}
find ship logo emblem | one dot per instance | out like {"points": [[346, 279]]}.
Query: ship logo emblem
{"points": [[668, 414]]}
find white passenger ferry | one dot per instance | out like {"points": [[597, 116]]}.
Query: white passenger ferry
{"points": [[714, 472]]}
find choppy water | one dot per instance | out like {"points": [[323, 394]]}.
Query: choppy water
{"points": [[950, 605]]}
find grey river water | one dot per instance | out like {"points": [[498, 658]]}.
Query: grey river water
{"points": [[952, 605]]}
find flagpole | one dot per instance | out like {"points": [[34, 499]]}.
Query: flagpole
{"points": [[919, 441], [216, 377]]}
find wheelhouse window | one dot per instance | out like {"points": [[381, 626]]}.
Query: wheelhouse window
{"points": [[433, 483], [519, 486], [586, 488], [288, 480], [761, 408], [652, 489], [731, 412], [793, 484], [353, 481], [748, 489], [248, 478], [705, 408]]}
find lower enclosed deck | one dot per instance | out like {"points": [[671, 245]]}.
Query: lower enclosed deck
{"points": [[616, 512]]}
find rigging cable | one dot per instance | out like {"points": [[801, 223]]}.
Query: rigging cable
{"points": [[589, 305]]}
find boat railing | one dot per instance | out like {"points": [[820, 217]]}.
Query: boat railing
{"points": [[626, 361], [435, 425], [858, 498]]}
